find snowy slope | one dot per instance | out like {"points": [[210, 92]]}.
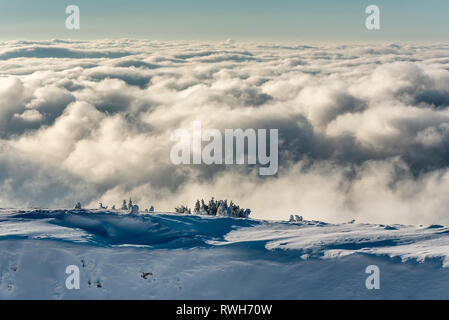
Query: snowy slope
{"points": [[169, 256]]}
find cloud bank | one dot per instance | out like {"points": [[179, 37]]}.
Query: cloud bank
{"points": [[363, 129]]}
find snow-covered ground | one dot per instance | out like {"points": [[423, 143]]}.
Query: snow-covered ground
{"points": [[171, 256]]}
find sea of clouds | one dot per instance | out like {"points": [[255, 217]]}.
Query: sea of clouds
{"points": [[363, 129]]}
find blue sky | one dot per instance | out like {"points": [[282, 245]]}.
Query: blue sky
{"points": [[281, 20]]}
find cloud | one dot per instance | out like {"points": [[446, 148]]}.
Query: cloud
{"points": [[363, 129], [58, 52]]}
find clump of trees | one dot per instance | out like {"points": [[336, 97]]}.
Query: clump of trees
{"points": [[183, 209], [129, 206], [216, 208], [212, 208], [296, 218]]}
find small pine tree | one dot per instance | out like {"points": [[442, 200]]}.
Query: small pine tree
{"points": [[197, 206]]}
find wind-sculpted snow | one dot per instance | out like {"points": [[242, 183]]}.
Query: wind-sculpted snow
{"points": [[363, 129], [313, 239], [174, 256], [332, 241], [109, 228]]}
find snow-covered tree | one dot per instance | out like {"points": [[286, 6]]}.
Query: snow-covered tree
{"points": [[203, 209], [124, 206], [216, 208], [212, 207], [134, 209], [222, 209], [182, 209], [197, 207]]}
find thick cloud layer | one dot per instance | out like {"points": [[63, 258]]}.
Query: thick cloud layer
{"points": [[364, 129]]}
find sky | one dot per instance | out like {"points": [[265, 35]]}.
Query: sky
{"points": [[264, 20], [363, 127]]}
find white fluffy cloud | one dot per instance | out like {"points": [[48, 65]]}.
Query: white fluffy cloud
{"points": [[364, 129]]}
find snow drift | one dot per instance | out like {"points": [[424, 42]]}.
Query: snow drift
{"points": [[175, 256]]}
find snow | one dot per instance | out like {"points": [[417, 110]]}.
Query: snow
{"points": [[406, 242], [181, 256]]}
